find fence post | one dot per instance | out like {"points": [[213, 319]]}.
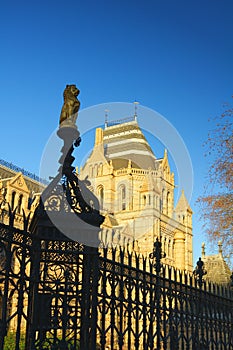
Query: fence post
{"points": [[199, 273], [157, 255]]}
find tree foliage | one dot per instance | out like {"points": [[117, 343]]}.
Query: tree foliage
{"points": [[217, 202]]}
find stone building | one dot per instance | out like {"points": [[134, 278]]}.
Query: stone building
{"points": [[20, 193], [20, 190], [217, 270], [135, 191], [136, 194]]}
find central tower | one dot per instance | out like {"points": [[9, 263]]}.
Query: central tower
{"points": [[136, 194]]}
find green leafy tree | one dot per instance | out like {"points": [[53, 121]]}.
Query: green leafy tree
{"points": [[217, 202]]}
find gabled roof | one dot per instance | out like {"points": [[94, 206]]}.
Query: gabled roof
{"points": [[19, 183]]}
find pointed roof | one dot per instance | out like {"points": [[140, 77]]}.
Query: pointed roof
{"points": [[183, 204], [165, 158], [216, 267]]}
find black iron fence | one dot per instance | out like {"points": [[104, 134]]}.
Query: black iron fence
{"points": [[140, 310], [58, 294], [46, 292]]}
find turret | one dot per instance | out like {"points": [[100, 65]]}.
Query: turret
{"points": [[183, 211]]}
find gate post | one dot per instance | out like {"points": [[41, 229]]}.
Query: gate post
{"points": [[89, 298], [69, 211]]}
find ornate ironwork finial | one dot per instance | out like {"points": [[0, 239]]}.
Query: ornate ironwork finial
{"points": [[157, 255], [199, 272], [72, 208], [220, 247]]}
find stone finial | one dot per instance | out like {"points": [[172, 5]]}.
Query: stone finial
{"points": [[220, 247], [203, 249]]}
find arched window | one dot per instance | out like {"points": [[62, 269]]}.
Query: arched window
{"points": [[13, 200], [101, 196], [122, 197], [163, 201], [19, 206], [169, 250], [100, 171], [165, 245], [96, 170], [168, 203], [123, 192]]}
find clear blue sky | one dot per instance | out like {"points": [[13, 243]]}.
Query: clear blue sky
{"points": [[172, 56]]}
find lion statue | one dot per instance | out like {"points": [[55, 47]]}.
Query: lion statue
{"points": [[71, 105]]}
